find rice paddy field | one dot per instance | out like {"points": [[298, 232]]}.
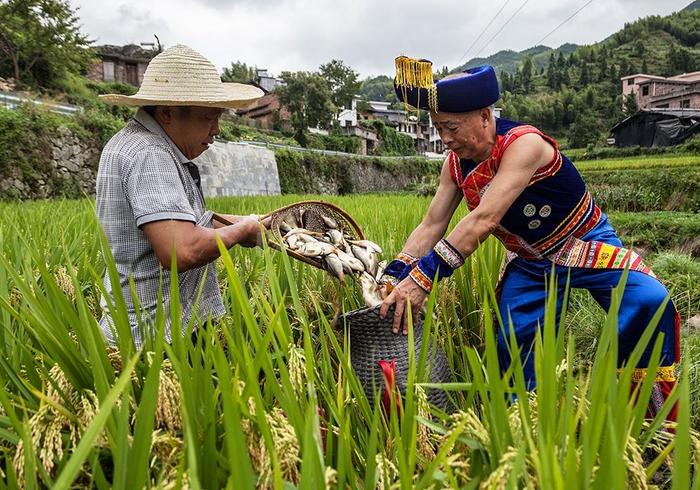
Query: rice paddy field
{"points": [[267, 397]]}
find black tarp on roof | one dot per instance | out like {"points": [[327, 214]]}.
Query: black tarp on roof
{"points": [[657, 127]]}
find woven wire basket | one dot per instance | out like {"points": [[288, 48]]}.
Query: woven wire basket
{"points": [[371, 340], [310, 214]]}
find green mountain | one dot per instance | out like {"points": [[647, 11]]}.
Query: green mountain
{"points": [[509, 60], [694, 5], [579, 96]]}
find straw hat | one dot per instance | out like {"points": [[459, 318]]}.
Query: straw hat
{"points": [[183, 77]]}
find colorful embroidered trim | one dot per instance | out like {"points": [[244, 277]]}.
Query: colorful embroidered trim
{"points": [[598, 255], [449, 254], [407, 259], [664, 373], [421, 278]]}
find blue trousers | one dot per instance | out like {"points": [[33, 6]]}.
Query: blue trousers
{"points": [[523, 297]]}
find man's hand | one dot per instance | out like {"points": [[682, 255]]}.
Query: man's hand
{"points": [[253, 229], [407, 294]]}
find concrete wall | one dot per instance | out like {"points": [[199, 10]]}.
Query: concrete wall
{"points": [[238, 169]]}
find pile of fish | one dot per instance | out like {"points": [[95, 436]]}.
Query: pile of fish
{"points": [[338, 252]]}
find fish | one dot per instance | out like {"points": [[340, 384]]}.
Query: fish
{"points": [[326, 248], [330, 222], [311, 249], [368, 245], [334, 266], [305, 237], [335, 236], [352, 262], [370, 290], [292, 242], [294, 231], [364, 257], [380, 270]]}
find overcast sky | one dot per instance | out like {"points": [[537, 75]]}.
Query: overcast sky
{"points": [[366, 34]]}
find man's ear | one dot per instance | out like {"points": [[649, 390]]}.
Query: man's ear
{"points": [[485, 114], [164, 114]]}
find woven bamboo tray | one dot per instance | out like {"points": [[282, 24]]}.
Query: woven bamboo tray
{"points": [[312, 221]]}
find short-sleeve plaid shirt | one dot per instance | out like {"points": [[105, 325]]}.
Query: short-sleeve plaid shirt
{"points": [[142, 178]]}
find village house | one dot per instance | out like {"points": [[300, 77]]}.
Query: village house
{"points": [[125, 64], [655, 92], [266, 112]]}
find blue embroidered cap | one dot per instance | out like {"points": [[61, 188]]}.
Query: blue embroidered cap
{"points": [[471, 90]]}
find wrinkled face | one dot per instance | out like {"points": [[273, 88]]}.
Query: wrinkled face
{"points": [[470, 135], [192, 129]]}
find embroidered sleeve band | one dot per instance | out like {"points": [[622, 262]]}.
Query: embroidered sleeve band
{"points": [[449, 254], [440, 262], [398, 269]]}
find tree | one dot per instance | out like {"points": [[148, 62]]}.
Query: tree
{"points": [[239, 72], [342, 81], [551, 72], [584, 130], [526, 74], [585, 77], [308, 99], [379, 88], [629, 105], [41, 43]]}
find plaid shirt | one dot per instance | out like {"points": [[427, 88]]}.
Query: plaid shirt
{"points": [[142, 178]]}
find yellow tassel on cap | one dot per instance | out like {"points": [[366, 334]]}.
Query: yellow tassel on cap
{"points": [[412, 73]]}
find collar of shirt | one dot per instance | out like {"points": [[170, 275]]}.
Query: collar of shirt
{"points": [[145, 119]]}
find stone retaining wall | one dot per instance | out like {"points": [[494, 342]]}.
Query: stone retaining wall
{"points": [[238, 169]]}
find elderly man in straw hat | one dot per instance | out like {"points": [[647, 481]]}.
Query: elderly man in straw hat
{"points": [[520, 188], [149, 198]]}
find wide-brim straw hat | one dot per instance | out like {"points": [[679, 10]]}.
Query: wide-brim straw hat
{"points": [[180, 76]]}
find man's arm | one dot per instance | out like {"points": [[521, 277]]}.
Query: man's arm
{"points": [[437, 219], [519, 163], [231, 218], [195, 246]]}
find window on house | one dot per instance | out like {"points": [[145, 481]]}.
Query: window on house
{"points": [[685, 104], [662, 106], [645, 90], [630, 81], [108, 71]]}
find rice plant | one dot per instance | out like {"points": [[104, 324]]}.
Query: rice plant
{"points": [[267, 397]]}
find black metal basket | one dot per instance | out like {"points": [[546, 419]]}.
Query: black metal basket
{"points": [[371, 340]]}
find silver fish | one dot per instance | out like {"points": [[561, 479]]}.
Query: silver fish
{"points": [[311, 249], [370, 290], [380, 269], [334, 265], [330, 222], [335, 236], [326, 248], [354, 264], [292, 242], [364, 257], [305, 237], [284, 227], [368, 245]]}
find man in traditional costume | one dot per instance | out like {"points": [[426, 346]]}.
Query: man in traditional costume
{"points": [[520, 188]]}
